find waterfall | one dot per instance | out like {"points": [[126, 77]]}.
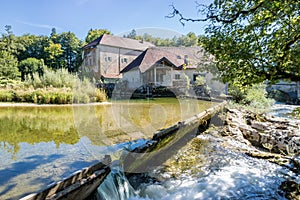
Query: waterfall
{"points": [[116, 186]]}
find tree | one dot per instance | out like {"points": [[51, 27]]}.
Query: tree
{"points": [[133, 35], [9, 48], [53, 51], [33, 47], [8, 66], [187, 40], [94, 34], [29, 66], [71, 46], [8, 42], [253, 40]]}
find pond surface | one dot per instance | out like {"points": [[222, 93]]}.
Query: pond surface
{"points": [[43, 144]]}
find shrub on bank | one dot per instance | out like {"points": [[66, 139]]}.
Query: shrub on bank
{"points": [[253, 98], [6, 95], [51, 96], [54, 87]]}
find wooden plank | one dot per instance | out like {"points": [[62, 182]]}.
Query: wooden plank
{"points": [[78, 186]]}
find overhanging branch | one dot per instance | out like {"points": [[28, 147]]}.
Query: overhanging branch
{"points": [[211, 16]]}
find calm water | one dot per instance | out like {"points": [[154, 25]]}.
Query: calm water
{"points": [[41, 145]]}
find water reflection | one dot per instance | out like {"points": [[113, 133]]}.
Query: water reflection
{"points": [[35, 125]]}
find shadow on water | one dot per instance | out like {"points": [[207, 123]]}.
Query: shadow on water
{"points": [[29, 166], [24, 167]]}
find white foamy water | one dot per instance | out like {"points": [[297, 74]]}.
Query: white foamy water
{"points": [[242, 178], [227, 174]]}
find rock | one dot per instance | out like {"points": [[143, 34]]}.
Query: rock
{"points": [[260, 126], [271, 133], [291, 189]]}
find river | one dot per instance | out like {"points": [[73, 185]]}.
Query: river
{"points": [[208, 167], [40, 145]]}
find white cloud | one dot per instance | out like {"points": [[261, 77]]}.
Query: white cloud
{"points": [[46, 26]]}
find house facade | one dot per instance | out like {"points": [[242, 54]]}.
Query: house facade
{"points": [[111, 58], [105, 57], [162, 67]]}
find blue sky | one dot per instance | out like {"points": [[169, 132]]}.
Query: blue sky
{"points": [[78, 16]]}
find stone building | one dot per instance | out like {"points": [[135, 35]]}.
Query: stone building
{"points": [[107, 55]]}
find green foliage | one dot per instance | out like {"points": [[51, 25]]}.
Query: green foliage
{"points": [[40, 96], [29, 66], [6, 95], [10, 83], [33, 47], [237, 94], [296, 113], [51, 95], [254, 40], [84, 91], [52, 78], [254, 97], [53, 51], [54, 87], [185, 40], [94, 34], [200, 80], [8, 65], [71, 47], [9, 43]]}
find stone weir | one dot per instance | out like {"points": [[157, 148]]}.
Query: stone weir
{"points": [[167, 142]]}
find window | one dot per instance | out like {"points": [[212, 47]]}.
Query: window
{"points": [[177, 76], [124, 60], [108, 59]]}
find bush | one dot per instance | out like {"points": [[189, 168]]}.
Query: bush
{"points": [[6, 95], [59, 79], [100, 95], [255, 97], [54, 87]]}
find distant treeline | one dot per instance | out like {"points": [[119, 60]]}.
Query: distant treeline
{"points": [[184, 40]]}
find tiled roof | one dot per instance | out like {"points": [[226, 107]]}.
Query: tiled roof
{"points": [[194, 55], [115, 41], [152, 56]]}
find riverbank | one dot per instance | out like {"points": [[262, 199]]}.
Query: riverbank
{"points": [[16, 104]]}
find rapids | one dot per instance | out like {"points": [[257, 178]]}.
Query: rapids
{"points": [[208, 167]]}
